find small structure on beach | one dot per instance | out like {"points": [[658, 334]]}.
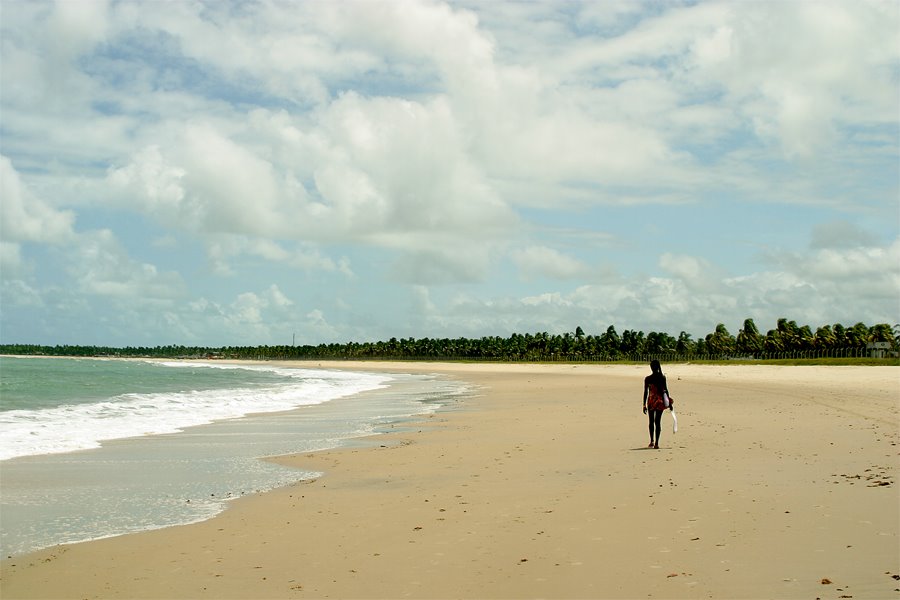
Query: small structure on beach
{"points": [[878, 349]]}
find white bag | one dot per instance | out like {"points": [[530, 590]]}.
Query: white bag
{"points": [[674, 421], [666, 400]]}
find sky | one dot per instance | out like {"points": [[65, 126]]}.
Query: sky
{"points": [[263, 172]]}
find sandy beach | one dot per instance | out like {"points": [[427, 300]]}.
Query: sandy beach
{"points": [[781, 482]]}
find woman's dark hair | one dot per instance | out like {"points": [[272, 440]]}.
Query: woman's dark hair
{"points": [[657, 376]]}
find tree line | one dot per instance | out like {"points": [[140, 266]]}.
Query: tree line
{"points": [[787, 339]]}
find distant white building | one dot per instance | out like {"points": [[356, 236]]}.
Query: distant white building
{"points": [[878, 349]]}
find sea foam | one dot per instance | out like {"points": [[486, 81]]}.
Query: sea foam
{"points": [[83, 426]]}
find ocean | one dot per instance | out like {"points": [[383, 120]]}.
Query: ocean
{"points": [[92, 448]]}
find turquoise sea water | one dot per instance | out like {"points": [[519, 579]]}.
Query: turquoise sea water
{"points": [[94, 448], [50, 382]]}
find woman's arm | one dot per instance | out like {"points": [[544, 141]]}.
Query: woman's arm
{"points": [[666, 391]]}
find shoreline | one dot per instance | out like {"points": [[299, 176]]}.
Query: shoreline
{"points": [[541, 487], [189, 475]]}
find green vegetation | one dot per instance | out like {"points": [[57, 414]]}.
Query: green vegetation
{"points": [[787, 343]]}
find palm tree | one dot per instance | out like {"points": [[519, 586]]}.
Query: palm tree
{"points": [[858, 335], [881, 333], [610, 342], [840, 336], [749, 338], [685, 345], [805, 338], [633, 342], [774, 341], [789, 334], [825, 338], [660, 343], [720, 342]]}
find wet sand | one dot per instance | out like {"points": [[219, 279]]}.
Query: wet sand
{"points": [[781, 483]]}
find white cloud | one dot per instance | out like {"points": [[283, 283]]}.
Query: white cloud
{"points": [[223, 250], [10, 258], [231, 189], [799, 94], [76, 27], [250, 318], [868, 274], [277, 298], [697, 274], [440, 259], [810, 289], [158, 186], [255, 316], [15, 292], [316, 326], [421, 300], [401, 165], [102, 267], [541, 261], [208, 184], [26, 218], [840, 234], [382, 171], [167, 242], [247, 308]]}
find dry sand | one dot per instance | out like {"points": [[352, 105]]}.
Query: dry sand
{"points": [[780, 483]]}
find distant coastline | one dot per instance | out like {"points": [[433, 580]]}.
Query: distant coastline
{"points": [[828, 344]]}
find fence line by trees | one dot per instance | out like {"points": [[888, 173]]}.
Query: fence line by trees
{"points": [[786, 340]]}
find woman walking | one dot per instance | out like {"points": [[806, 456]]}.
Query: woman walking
{"points": [[656, 400]]}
